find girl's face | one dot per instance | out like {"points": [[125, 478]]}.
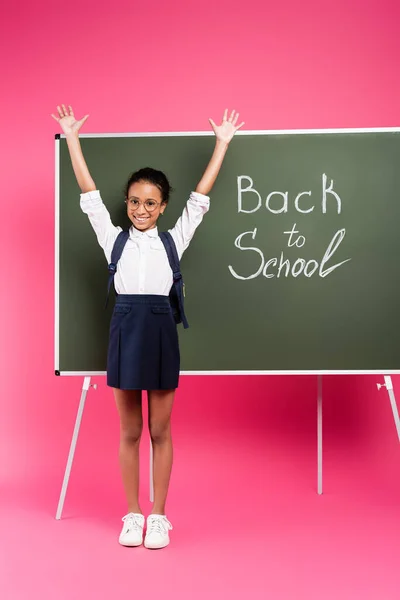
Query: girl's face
{"points": [[144, 205]]}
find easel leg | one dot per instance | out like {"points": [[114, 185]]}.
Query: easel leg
{"points": [[85, 387], [389, 387], [319, 434], [151, 473]]}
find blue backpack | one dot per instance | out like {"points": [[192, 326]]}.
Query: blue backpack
{"points": [[176, 294]]}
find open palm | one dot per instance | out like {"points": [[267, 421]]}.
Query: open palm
{"points": [[228, 127], [67, 120]]}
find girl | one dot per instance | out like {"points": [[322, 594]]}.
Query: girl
{"points": [[143, 352]]}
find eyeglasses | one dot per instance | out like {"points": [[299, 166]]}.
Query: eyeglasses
{"points": [[149, 205]]}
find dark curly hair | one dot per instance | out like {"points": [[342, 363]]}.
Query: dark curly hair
{"points": [[149, 175]]}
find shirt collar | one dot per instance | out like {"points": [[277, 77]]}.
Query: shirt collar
{"points": [[136, 234]]}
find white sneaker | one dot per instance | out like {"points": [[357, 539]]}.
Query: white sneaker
{"points": [[157, 532], [132, 531]]}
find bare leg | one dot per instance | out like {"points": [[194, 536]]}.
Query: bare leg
{"points": [[129, 405], [160, 408]]}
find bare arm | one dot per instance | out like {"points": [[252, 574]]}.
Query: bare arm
{"points": [[71, 127], [224, 134]]}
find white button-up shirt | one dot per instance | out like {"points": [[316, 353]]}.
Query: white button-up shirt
{"points": [[143, 267]]}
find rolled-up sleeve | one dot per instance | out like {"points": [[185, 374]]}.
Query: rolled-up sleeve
{"points": [[196, 207], [99, 217]]}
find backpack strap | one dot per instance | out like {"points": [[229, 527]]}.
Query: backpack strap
{"points": [[172, 254], [116, 252]]}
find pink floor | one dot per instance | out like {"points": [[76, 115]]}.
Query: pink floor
{"points": [[248, 522]]}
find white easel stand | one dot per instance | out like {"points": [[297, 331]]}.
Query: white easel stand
{"points": [[151, 473], [319, 435], [388, 385], [85, 389]]}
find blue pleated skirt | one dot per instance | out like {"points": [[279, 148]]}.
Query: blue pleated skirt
{"points": [[143, 350]]}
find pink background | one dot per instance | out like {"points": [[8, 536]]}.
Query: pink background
{"points": [[243, 495]]}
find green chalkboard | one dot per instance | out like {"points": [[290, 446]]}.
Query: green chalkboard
{"points": [[259, 296]]}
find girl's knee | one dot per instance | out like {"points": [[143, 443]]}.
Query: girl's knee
{"points": [[160, 432], [131, 435]]}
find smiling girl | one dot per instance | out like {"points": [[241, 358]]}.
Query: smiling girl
{"points": [[143, 352]]}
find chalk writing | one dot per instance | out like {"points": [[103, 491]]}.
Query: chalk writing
{"points": [[254, 200], [277, 202]]}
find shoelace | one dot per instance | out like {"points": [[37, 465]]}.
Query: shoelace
{"points": [[158, 525], [132, 522]]}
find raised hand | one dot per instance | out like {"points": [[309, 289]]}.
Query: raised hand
{"points": [[67, 120], [228, 127]]}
